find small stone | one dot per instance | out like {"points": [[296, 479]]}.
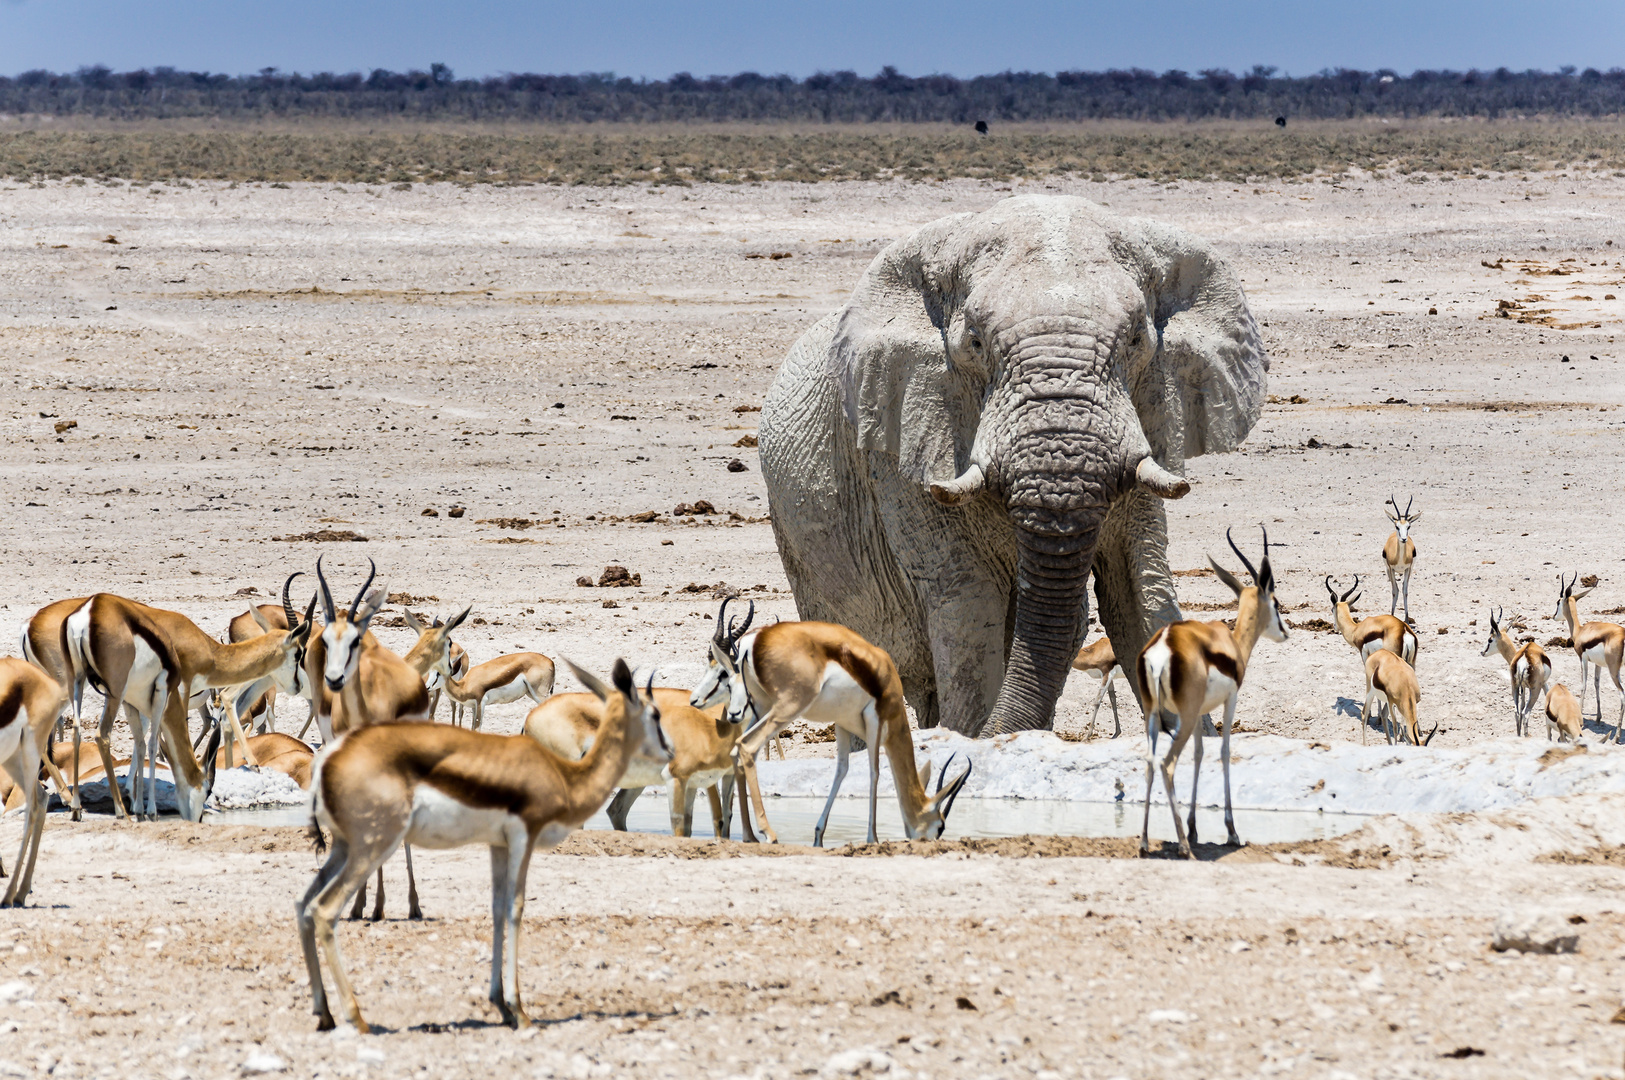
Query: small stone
{"points": [[1534, 931], [857, 1063], [369, 1055], [618, 577], [584, 581], [455, 512], [261, 1062], [737, 466], [429, 511], [611, 604], [1169, 1016]]}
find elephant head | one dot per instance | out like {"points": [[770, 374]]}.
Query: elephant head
{"points": [[1063, 361]]}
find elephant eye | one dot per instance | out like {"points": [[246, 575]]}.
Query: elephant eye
{"points": [[976, 343]]}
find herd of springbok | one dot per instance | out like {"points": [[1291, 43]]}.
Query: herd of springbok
{"points": [[388, 777]]}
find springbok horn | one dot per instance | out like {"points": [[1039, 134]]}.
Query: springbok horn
{"points": [[372, 572], [1159, 481], [1408, 505], [955, 491], [1332, 590], [328, 611], [735, 635], [287, 605], [1244, 560], [958, 786], [721, 634], [1352, 588]]}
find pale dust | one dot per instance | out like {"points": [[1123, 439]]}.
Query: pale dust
{"points": [[475, 311]]}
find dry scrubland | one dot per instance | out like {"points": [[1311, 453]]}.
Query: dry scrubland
{"points": [[677, 154], [248, 367]]}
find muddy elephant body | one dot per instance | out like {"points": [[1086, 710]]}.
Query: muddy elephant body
{"points": [[999, 410]]}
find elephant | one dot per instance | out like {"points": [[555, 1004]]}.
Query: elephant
{"points": [[999, 411]]}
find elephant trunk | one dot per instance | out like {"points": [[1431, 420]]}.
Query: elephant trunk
{"points": [[1051, 601]]}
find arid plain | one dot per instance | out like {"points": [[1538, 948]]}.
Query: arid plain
{"points": [[250, 366]]}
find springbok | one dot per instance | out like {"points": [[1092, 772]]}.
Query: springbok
{"points": [[158, 661], [701, 754], [1563, 714], [275, 751], [457, 663], [1528, 666], [1100, 662], [1597, 643], [30, 702], [1399, 552], [1395, 680], [263, 619], [1189, 668], [364, 683], [499, 681], [440, 786], [41, 645], [826, 674], [1373, 632]]}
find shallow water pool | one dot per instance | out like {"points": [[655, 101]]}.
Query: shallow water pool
{"points": [[794, 818]]}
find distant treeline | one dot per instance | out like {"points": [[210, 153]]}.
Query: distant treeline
{"points": [[833, 97]]}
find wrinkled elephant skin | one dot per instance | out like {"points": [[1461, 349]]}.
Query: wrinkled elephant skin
{"points": [[1001, 408]]}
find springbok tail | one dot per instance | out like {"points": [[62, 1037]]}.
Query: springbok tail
{"points": [[77, 654]]}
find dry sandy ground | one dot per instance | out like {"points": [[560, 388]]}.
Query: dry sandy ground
{"points": [[253, 363], [168, 947]]}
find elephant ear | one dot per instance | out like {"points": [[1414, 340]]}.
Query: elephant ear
{"points": [[890, 358], [1211, 356]]}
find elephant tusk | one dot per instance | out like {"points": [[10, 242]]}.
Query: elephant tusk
{"points": [[1160, 481], [955, 491]]}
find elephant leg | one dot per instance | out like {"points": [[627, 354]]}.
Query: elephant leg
{"points": [[1134, 590], [967, 634]]}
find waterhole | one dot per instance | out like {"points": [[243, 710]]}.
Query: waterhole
{"points": [[793, 819]]}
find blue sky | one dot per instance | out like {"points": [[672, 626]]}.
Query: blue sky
{"points": [[655, 39]]}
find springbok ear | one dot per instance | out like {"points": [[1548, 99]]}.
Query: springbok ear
{"points": [[372, 604], [414, 622], [589, 680], [925, 776], [621, 675], [1581, 594], [264, 623], [457, 620], [886, 351], [725, 661], [1416, 517], [1225, 576]]}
